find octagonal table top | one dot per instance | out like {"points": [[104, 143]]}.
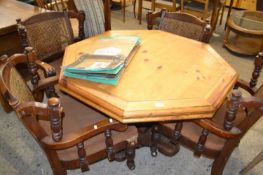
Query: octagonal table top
{"points": [[169, 78]]}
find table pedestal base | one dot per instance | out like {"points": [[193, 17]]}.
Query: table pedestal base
{"points": [[155, 141]]}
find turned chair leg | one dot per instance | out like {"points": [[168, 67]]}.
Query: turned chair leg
{"points": [[130, 154], [154, 141], [134, 8], [220, 162]]}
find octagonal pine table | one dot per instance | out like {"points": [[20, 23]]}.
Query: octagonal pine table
{"points": [[169, 78]]}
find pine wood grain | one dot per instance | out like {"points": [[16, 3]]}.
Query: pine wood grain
{"points": [[169, 78]]}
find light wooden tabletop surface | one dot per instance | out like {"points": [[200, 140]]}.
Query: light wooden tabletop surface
{"points": [[10, 10], [169, 78]]}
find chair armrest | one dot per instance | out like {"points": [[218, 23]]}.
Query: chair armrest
{"points": [[18, 58], [74, 138], [35, 108], [218, 130], [44, 83], [47, 69], [245, 85], [251, 102]]}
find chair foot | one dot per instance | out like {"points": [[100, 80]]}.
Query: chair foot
{"points": [[131, 165], [155, 140], [154, 152]]}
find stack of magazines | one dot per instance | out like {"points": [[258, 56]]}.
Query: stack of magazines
{"points": [[107, 63]]}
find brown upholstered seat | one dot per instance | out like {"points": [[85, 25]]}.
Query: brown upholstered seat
{"points": [[192, 132], [181, 24], [72, 134], [84, 116], [219, 136]]}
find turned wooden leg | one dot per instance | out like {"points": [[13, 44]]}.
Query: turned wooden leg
{"points": [[130, 154], [134, 8], [155, 139]]}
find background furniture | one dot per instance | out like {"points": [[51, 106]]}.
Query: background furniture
{"points": [[243, 4], [182, 24], [203, 9], [97, 15], [32, 2], [253, 163], [171, 6], [244, 34], [258, 6], [219, 136], [10, 11], [140, 7], [57, 5], [72, 137], [123, 7], [199, 8]]}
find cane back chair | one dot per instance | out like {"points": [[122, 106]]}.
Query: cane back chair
{"points": [[216, 138], [181, 24], [71, 134], [50, 33]]}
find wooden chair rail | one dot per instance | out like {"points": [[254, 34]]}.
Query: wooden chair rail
{"points": [[43, 84], [83, 134], [217, 129]]}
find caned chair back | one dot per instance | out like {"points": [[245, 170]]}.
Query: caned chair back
{"points": [[182, 24], [13, 86], [49, 33]]}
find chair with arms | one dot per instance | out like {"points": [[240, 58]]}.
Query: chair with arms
{"points": [[181, 24], [217, 137], [71, 134], [50, 33]]}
